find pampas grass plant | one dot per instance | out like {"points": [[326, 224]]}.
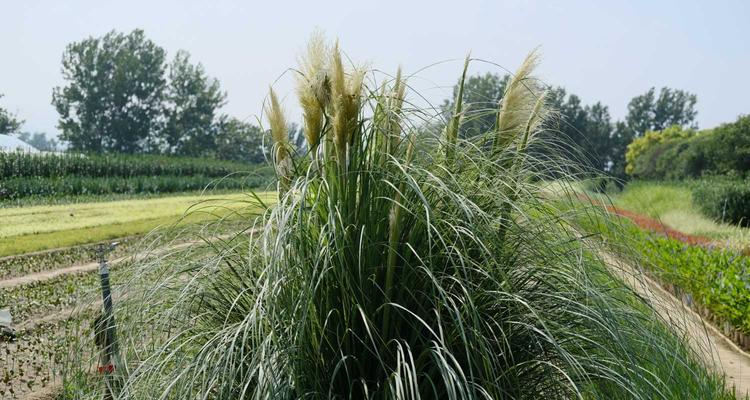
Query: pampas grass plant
{"points": [[387, 271]]}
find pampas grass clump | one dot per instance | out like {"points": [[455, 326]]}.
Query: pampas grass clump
{"points": [[391, 270]]}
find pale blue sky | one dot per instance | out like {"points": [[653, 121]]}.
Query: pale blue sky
{"points": [[601, 50]]}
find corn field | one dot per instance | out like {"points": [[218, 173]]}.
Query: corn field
{"points": [[25, 175], [19, 164]]}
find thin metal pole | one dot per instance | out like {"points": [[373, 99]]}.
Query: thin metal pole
{"points": [[110, 349]]}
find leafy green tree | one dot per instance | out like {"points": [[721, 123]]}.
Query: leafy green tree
{"points": [[649, 112], [239, 141], [8, 122], [622, 136], [599, 132], [193, 101], [114, 93], [642, 144], [39, 140], [588, 127]]}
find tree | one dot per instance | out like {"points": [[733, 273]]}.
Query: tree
{"points": [[642, 144], [8, 122], [622, 136], [239, 141], [39, 140], [648, 112], [599, 131], [193, 101], [589, 128], [113, 97]]}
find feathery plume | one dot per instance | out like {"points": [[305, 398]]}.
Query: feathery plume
{"points": [[280, 141], [345, 101], [314, 88], [518, 101]]}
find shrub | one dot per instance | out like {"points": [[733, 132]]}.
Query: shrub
{"points": [[644, 144], [724, 200], [676, 154]]}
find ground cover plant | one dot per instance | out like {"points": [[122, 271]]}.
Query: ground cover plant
{"points": [[20, 265], [34, 360], [53, 315], [401, 264]]}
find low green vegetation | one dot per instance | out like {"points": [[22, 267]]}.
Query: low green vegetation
{"points": [[724, 200], [27, 229], [20, 188], [49, 165], [55, 316], [36, 358], [45, 297], [717, 278], [20, 265], [672, 204]]}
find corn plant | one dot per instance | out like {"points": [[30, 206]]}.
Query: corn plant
{"points": [[19, 164]]}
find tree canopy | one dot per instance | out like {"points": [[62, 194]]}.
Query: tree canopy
{"points": [[9, 123], [113, 99], [39, 140], [122, 96], [193, 100], [649, 112]]}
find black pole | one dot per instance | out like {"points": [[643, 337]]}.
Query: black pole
{"points": [[107, 324]]}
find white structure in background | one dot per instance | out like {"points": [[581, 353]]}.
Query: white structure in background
{"points": [[11, 144]]}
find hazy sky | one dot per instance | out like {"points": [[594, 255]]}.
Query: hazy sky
{"points": [[600, 50]]}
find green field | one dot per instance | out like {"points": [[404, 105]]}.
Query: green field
{"points": [[672, 204], [27, 229]]}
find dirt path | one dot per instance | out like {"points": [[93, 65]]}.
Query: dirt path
{"points": [[718, 350], [93, 266]]}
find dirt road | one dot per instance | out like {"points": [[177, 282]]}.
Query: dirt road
{"points": [[718, 350]]}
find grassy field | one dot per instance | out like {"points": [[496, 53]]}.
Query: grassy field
{"points": [[27, 229], [672, 204]]}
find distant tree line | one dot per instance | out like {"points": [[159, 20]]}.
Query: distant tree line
{"points": [[122, 96], [599, 141], [39, 141]]}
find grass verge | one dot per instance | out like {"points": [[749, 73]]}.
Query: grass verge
{"points": [[28, 229], [672, 204]]}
